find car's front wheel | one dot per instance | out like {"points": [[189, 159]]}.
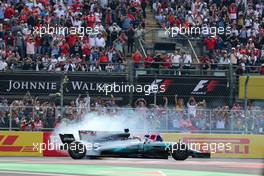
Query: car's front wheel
{"points": [[77, 150], [180, 152]]}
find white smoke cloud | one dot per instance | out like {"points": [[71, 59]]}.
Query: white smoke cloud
{"points": [[103, 122]]}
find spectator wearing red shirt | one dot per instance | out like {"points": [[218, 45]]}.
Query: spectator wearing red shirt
{"points": [[136, 58], [38, 125], [167, 62], [76, 6], [108, 18], [72, 39], [27, 126], [233, 12], [148, 61], [9, 12], [90, 19], [103, 61], [171, 20], [64, 48], [9, 40], [210, 44], [86, 50]]}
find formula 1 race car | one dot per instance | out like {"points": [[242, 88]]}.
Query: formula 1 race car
{"points": [[94, 144]]}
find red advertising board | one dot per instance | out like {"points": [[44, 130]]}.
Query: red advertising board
{"points": [[52, 149]]}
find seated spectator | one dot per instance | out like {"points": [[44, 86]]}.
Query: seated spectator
{"points": [[103, 61], [70, 66]]}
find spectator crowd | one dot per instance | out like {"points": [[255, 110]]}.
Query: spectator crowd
{"points": [[118, 23], [23, 47], [241, 43], [31, 114]]}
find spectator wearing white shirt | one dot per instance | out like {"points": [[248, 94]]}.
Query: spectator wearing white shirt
{"points": [[62, 58], [30, 48], [98, 16], [220, 124], [114, 27], [225, 61], [98, 28], [100, 41], [3, 65], [187, 60], [192, 107], [69, 66], [60, 12], [92, 41], [176, 60], [76, 22]]}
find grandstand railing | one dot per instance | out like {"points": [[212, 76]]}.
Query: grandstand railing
{"points": [[192, 69], [182, 42], [155, 119], [196, 69]]}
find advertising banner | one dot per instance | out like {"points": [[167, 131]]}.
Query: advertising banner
{"points": [[255, 87], [47, 83], [20, 84], [51, 147], [212, 89], [206, 88], [222, 145], [96, 85], [20, 143]]}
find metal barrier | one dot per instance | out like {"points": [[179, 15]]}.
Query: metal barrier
{"points": [[156, 119]]}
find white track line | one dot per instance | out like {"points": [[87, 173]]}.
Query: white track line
{"points": [[35, 173], [162, 173]]}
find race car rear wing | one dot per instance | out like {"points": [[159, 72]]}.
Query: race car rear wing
{"points": [[67, 138]]}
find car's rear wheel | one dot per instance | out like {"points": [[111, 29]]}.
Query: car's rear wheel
{"points": [[77, 150], [180, 152]]}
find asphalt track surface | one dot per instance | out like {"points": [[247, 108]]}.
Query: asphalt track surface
{"points": [[64, 166]]}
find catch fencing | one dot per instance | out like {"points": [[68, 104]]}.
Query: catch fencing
{"points": [[154, 119]]}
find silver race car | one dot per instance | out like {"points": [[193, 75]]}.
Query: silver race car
{"points": [[94, 144]]}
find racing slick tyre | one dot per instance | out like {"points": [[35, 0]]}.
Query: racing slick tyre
{"points": [[180, 152], [77, 150]]}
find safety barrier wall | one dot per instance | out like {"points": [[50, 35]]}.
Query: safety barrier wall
{"points": [[28, 144], [20, 143], [223, 145], [220, 145]]}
